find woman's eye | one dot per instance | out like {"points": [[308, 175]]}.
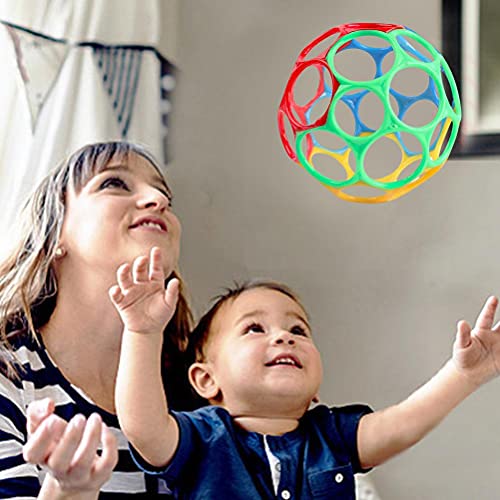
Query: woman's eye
{"points": [[114, 182], [169, 198], [299, 330], [254, 328]]}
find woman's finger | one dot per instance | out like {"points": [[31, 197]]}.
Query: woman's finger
{"points": [[37, 412], [41, 443], [61, 457], [85, 454], [105, 463]]}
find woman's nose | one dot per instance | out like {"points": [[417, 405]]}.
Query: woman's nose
{"points": [[152, 198]]}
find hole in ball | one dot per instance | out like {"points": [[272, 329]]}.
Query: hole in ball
{"points": [[328, 140], [410, 81], [382, 159], [371, 111], [355, 64], [420, 113], [333, 167]]}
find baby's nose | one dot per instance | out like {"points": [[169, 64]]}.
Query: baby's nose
{"points": [[285, 338]]}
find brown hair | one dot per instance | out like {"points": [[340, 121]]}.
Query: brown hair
{"points": [[28, 286], [199, 336]]}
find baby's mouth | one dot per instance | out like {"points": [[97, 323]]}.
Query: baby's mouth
{"points": [[285, 359]]}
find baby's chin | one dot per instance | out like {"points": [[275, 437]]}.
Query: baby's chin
{"points": [[275, 407]]}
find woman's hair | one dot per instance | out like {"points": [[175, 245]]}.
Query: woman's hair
{"points": [[201, 333], [28, 286]]}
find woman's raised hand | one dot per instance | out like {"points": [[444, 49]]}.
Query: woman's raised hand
{"points": [[68, 451], [140, 297]]}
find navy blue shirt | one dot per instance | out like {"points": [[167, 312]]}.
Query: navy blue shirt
{"points": [[217, 459]]}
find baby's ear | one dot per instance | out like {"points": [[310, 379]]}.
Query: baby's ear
{"points": [[203, 381]]}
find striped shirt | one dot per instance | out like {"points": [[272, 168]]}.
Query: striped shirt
{"points": [[41, 378]]}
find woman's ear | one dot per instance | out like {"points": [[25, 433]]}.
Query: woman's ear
{"points": [[202, 379]]}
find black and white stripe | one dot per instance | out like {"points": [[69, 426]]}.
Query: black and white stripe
{"points": [[40, 379]]}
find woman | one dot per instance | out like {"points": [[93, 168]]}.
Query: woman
{"points": [[60, 335]]}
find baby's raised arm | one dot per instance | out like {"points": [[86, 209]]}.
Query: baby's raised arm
{"points": [[475, 360], [145, 308]]}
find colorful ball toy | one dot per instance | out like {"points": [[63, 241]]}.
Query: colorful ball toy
{"points": [[336, 129]]}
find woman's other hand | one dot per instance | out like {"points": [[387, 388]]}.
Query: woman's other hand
{"points": [[68, 450]]}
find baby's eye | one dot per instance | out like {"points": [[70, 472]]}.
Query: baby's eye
{"points": [[254, 328], [114, 183], [299, 330]]}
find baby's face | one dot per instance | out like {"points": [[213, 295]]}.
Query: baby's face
{"points": [[263, 356]]}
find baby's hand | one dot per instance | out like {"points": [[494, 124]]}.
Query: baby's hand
{"points": [[140, 296], [476, 352]]}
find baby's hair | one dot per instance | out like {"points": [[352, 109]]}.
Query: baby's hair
{"points": [[201, 333], [28, 286]]}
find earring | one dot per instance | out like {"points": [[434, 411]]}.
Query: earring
{"points": [[60, 252]]}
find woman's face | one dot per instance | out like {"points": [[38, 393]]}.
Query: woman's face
{"points": [[118, 215]]}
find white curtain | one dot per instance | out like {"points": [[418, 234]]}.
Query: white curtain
{"points": [[74, 72]]}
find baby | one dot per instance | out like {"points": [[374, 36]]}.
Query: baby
{"points": [[255, 361]]}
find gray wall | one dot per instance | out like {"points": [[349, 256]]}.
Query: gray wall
{"points": [[384, 284]]}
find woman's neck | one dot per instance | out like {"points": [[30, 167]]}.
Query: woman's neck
{"points": [[83, 337]]}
